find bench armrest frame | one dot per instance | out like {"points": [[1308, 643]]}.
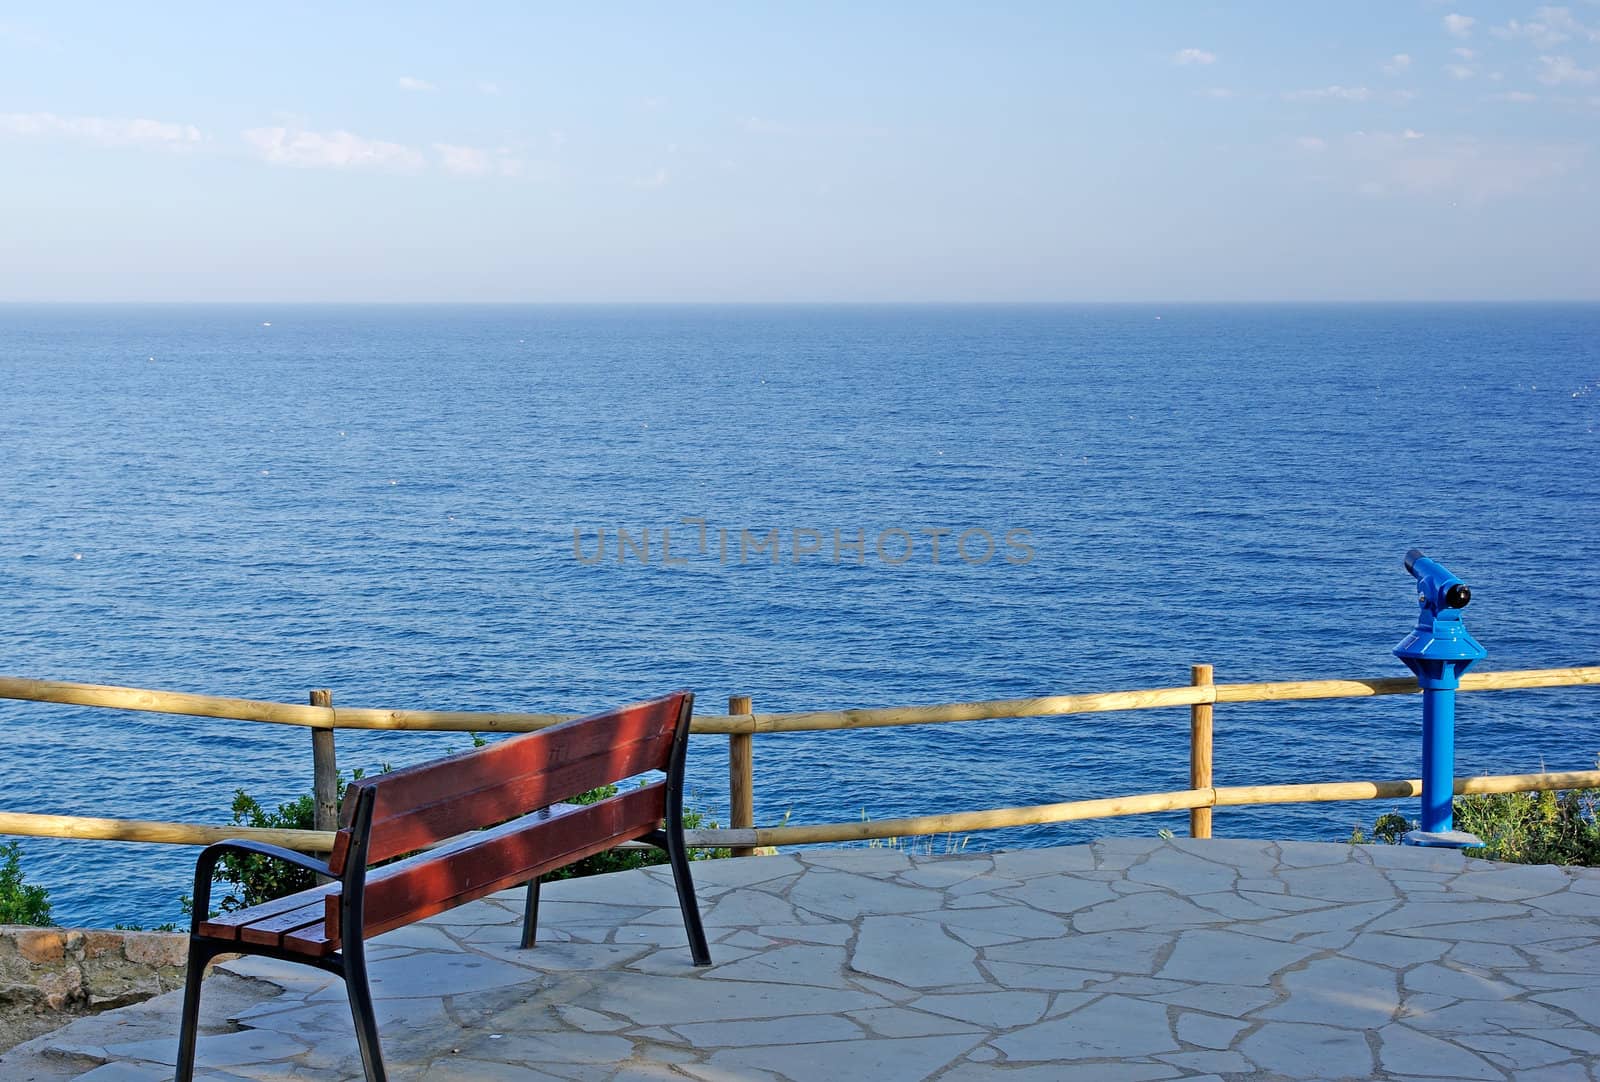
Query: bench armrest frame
{"points": [[205, 868]]}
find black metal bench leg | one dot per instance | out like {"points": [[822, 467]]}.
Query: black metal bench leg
{"points": [[530, 914], [200, 954], [678, 857], [355, 982]]}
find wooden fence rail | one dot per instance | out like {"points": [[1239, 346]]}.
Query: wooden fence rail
{"points": [[741, 724], [136, 830], [345, 717]]}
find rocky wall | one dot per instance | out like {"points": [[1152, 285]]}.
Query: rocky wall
{"points": [[59, 969]]}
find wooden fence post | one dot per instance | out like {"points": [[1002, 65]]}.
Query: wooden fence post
{"points": [[1200, 752], [325, 769], [741, 776]]}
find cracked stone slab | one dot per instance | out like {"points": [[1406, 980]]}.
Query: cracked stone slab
{"points": [[1145, 910], [991, 1010], [1302, 1050], [1106, 952], [845, 896], [1113, 1027], [1405, 1051], [894, 1057], [1029, 863], [811, 964], [1225, 957], [1176, 870], [1078, 964], [1338, 992], [914, 953], [649, 1000]]}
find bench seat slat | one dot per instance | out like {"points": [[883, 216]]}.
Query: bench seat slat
{"points": [[228, 925], [274, 931]]}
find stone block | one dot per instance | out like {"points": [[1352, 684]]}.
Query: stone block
{"points": [[43, 945], [96, 943], [61, 987], [156, 948]]}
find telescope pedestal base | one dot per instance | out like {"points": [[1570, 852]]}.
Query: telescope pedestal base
{"points": [[1442, 839]]}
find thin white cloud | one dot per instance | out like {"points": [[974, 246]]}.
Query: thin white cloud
{"points": [[658, 179], [477, 162], [1459, 26], [492, 89], [1312, 143], [1465, 54], [1193, 56], [1466, 170], [15, 33], [103, 131], [1397, 64], [330, 150], [411, 82], [1410, 133], [1460, 71], [1518, 97], [1538, 33], [1220, 93], [1564, 71], [1331, 93], [463, 161], [1549, 27]]}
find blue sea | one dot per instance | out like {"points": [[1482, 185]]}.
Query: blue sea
{"points": [[407, 504]]}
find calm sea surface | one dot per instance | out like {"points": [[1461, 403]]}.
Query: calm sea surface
{"points": [[383, 500]]}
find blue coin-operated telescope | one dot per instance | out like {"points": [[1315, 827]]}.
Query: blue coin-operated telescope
{"points": [[1438, 652]]}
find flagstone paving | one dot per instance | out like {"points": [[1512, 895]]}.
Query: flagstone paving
{"points": [[1129, 960]]}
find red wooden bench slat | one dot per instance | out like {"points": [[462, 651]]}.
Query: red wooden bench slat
{"points": [[493, 860], [312, 939], [402, 790], [443, 819], [227, 925], [424, 804], [269, 931]]}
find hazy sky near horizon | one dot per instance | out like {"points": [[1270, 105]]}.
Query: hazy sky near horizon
{"points": [[804, 152]]}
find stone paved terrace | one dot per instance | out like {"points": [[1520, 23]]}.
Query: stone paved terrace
{"points": [[1122, 961]]}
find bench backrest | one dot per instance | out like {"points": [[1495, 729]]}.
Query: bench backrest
{"points": [[425, 804]]}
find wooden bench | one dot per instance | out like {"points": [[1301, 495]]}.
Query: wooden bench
{"points": [[498, 812]]}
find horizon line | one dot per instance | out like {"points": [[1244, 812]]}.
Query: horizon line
{"points": [[939, 303]]}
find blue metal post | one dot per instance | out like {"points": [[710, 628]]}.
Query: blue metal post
{"points": [[1438, 652], [1438, 760]]}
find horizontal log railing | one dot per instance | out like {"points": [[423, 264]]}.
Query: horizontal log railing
{"points": [[741, 723], [1103, 702], [139, 830]]}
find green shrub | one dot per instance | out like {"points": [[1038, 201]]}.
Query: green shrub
{"points": [[255, 879], [1388, 829], [1554, 827], [20, 903], [622, 860]]}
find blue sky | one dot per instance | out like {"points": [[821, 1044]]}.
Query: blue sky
{"points": [[801, 152]]}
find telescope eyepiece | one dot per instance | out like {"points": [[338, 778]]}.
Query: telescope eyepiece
{"points": [[1457, 596]]}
